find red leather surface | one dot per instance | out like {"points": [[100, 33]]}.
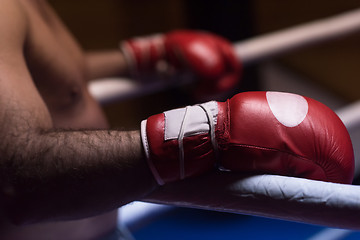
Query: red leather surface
{"points": [[318, 148]]}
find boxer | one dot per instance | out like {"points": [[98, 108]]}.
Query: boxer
{"points": [[63, 173]]}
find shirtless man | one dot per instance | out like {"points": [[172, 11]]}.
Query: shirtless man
{"points": [[63, 175], [44, 77], [60, 169]]}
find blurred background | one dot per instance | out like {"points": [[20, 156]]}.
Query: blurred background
{"points": [[331, 66], [328, 72]]}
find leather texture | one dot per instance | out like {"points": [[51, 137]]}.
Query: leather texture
{"points": [[318, 147], [259, 133]]}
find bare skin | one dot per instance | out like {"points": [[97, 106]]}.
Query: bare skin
{"points": [[59, 167]]}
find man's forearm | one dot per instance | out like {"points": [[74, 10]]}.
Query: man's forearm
{"points": [[73, 174], [103, 64]]}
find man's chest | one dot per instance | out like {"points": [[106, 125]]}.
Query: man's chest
{"points": [[54, 59]]}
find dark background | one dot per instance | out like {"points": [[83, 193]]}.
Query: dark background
{"points": [[102, 24]]}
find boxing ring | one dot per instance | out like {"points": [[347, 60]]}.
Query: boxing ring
{"points": [[277, 197]]}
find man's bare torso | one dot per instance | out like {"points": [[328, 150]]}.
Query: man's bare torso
{"points": [[57, 66]]}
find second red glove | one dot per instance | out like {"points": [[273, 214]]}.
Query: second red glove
{"points": [[210, 58]]}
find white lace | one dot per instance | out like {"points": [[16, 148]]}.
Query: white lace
{"points": [[181, 144], [212, 128], [182, 133]]}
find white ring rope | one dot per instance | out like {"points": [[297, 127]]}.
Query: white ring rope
{"points": [[287, 198], [283, 41]]}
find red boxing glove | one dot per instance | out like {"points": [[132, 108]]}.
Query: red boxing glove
{"points": [[253, 132], [209, 57]]}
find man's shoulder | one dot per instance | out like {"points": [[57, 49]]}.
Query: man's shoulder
{"points": [[13, 22], [11, 8]]}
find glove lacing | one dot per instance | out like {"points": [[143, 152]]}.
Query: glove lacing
{"points": [[181, 135]]}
